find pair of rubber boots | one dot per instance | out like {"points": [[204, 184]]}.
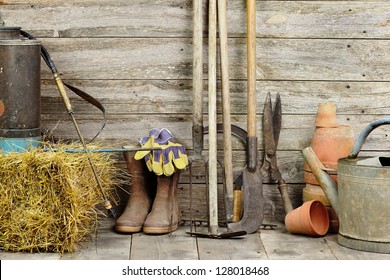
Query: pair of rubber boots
{"points": [[152, 206]]}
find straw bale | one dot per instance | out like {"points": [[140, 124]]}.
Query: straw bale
{"points": [[50, 200]]}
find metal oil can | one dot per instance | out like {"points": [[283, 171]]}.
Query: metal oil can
{"points": [[20, 85]]}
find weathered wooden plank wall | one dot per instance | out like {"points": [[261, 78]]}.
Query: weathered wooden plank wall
{"points": [[136, 58]]}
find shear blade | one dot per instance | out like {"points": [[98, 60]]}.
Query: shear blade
{"points": [[277, 119], [272, 120]]}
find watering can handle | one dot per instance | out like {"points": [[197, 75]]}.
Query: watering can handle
{"points": [[363, 135]]}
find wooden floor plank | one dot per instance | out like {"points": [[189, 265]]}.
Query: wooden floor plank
{"points": [[247, 247], [107, 245], [27, 256], [281, 245], [343, 253], [276, 244], [176, 246]]}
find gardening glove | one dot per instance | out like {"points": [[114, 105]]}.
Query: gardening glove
{"points": [[172, 156], [178, 155], [155, 138], [168, 158]]}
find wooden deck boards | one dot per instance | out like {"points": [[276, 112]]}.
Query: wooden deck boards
{"points": [[247, 247], [267, 244], [176, 246]]}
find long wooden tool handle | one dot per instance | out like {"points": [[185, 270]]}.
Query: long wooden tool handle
{"points": [[237, 206], [197, 70], [68, 106], [226, 119], [283, 189], [251, 97], [213, 183]]}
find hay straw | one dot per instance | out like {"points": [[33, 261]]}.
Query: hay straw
{"points": [[49, 201]]}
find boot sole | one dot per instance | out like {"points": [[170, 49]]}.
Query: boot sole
{"points": [[159, 230], [127, 229]]}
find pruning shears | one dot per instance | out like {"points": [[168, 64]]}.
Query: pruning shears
{"points": [[272, 123]]}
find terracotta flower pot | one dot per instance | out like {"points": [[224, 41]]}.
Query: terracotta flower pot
{"points": [[332, 143], [311, 179], [309, 219], [326, 115], [315, 192]]}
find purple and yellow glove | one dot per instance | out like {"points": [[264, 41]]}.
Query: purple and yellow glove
{"points": [[166, 160]]}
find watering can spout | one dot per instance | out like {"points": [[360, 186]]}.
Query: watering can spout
{"points": [[328, 185]]}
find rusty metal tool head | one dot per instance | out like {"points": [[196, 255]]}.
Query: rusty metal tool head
{"points": [[251, 186], [252, 189], [272, 122]]}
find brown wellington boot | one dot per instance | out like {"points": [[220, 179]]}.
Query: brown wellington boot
{"points": [[140, 201], [164, 217]]}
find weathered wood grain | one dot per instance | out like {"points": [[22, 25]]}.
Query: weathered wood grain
{"points": [[247, 247], [282, 245], [28, 256], [136, 58], [171, 58], [176, 246], [105, 245], [343, 253], [292, 19], [296, 133], [273, 244], [123, 97]]}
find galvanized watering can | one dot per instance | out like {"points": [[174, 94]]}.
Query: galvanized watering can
{"points": [[361, 199]]}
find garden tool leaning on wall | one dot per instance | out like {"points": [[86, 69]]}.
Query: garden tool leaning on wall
{"points": [[153, 206], [251, 178], [226, 119], [197, 99], [69, 109], [212, 163]]}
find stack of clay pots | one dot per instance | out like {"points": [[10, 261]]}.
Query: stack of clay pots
{"points": [[330, 142]]}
